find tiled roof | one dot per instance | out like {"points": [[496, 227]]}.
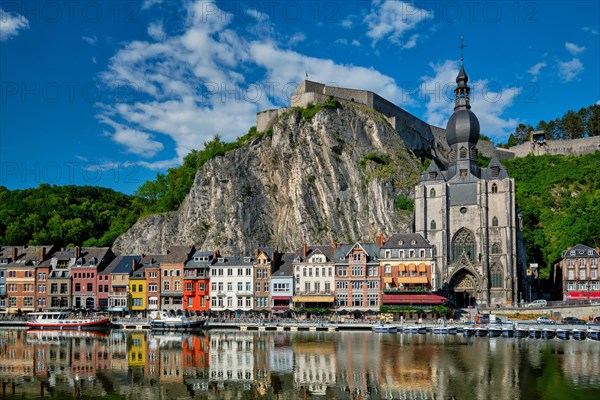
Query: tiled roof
{"points": [[178, 254], [404, 241], [370, 248], [121, 265], [327, 250], [581, 251], [286, 265]]}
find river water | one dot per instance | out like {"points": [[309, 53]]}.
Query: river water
{"points": [[293, 365]]}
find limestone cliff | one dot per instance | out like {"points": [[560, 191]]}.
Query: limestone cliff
{"points": [[333, 177]]}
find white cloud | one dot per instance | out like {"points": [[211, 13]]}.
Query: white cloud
{"points": [[393, 18], [156, 31], [192, 86], [149, 3], [346, 23], [94, 61], [355, 42], [10, 24], [411, 42], [568, 70], [573, 48], [288, 66], [257, 15], [591, 30], [296, 38], [134, 141], [342, 41], [535, 70], [90, 39], [489, 101]]}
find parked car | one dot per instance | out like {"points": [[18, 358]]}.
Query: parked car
{"points": [[545, 320], [538, 303], [573, 321]]}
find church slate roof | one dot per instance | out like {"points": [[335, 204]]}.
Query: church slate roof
{"points": [[489, 174]]}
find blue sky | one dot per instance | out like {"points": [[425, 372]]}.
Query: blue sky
{"points": [[111, 92]]}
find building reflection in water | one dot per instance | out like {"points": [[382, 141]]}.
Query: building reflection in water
{"points": [[232, 364]]}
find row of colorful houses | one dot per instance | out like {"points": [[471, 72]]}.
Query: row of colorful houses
{"points": [[354, 277], [396, 272]]}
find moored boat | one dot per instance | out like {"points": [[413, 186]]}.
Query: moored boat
{"points": [[548, 333], [562, 333], [481, 331], [508, 331], [578, 334], [535, 333], [162, 321], [382, 328], [521, 332], [63, 320], [593, 334], [468, 331], [494, 331]]}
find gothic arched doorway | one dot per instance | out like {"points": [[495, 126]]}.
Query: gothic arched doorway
{"points": [[464, 289]]}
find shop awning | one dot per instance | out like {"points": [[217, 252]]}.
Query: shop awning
{"points": [[415, 279], [281, 297], [426, 299], [313, 299], [582, 295], [422, 268]]}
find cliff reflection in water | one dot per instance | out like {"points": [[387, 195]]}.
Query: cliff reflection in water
{"points": [[232, 364]]}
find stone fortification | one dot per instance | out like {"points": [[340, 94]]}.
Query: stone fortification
{"points": [[564, 147], [416, 134]]}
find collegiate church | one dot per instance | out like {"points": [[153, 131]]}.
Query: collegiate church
{"points": [[469, 214]]}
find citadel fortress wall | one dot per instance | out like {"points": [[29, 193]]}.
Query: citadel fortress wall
{"points": [[418, 136]]}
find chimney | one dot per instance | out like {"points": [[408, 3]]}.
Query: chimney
{"points": [[216, 254], [334, 245], [304, 251], [134, 265], [42, 253], [77, 252], [379, 240], [256, 252], [14, 253]]}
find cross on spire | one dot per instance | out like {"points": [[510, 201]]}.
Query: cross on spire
{"points": [[462, 47]]}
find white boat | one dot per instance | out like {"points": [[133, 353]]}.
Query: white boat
{"points": [[62, 320], [381, 328], [162, 321]]}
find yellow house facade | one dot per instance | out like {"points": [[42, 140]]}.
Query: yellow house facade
{"points": [[137, 291]]}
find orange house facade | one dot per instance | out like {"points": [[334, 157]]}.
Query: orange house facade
{"points": [[406, 263], [196, 281]]}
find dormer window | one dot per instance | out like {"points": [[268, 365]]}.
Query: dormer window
{"points": [[495, 171], [400, 242], [590, 252], [92, 262], [196, 258], [572, 252], [221, 259], [4, 261], [246, 259], [413, 242], [79, 262]]}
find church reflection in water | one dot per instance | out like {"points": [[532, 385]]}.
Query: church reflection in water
{"points": [[232, 364]]}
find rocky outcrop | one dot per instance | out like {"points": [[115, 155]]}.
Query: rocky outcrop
{"points": [[334, 177]]}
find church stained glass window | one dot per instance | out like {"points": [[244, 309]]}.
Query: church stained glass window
{"points": [[496, 276], [433, 225], [463, 242], [495, 221]]}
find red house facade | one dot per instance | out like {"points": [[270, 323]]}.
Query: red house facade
{"points": [[196, 281]]}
